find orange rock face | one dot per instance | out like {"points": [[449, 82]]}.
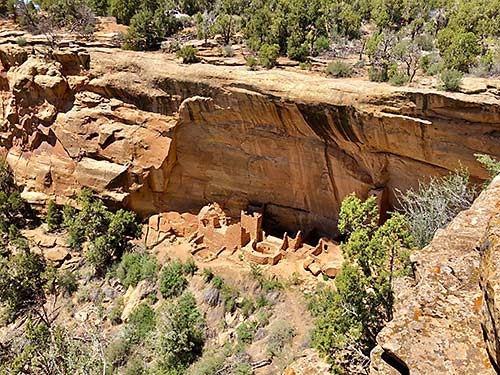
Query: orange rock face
{"points": [[158, 137]]}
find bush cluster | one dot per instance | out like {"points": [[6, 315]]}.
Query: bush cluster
{"points": [[106, 233]]}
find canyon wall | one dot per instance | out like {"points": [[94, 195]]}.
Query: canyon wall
{"points": [[155, 136]]}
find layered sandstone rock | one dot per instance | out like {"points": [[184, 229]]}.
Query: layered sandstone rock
{"points": [[437, 323], [490, 285], [158, 137]]}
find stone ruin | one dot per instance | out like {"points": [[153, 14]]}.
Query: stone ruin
{"points": [[213, 234]]}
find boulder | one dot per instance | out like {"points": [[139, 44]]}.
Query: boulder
{"points": [[134, 296], [57, 254]]}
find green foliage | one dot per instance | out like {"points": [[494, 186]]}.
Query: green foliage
{"points": [[54, 217], [243, 369], [247, 307], [117, 352], [356, 215], [268, 55], [13, 210], [135, 267], [251, 62], [266, 282], [172, 280], [458, 49], [397, 77], [179, 335], [228, 295], [490, 164], [431, 64], [280, 334], [435, 203], [124, 10], [147, 29], [348, 320], [66, 282], [99, 7], [339, 69], [115, 314], [452, 79], [226, 25], [141, 323], [190, 267], [107, 233], [208, 275], [298, 53], [322, 44], [44, 349], [246, 332], [188, 54], [218, 282], [378, 73], [211, 363], [21, 280], [21, 42]]}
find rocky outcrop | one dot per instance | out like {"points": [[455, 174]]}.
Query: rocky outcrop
{"points": [[490, 285], [437, 323], [159, 137]]}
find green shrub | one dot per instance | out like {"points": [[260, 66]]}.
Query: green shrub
{"points": [[107, 233], [431, 64], [246, 332], [435, 203], [492, 165], [306, 65], [267, 283], [21, 42], [322, 44], [148, 28], [251, 62], [217, 282], [348, 319], [115, 314], [117, 352], [135, 267], [228, 295], [135, 366], [172, 280], [210, 363], [243, 369], [247, 307], [208, 275], [280, 334], [339, 69], [378, 73], [451, 79], [188, 54], [299, 53], [54, 217], [397, 77], [66, 281], [179, 336], [190, 267], [21, 280], [13, 210], [141, 323], [268, 55]]}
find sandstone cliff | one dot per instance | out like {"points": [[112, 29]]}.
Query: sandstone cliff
{"points": [[158, 136]]}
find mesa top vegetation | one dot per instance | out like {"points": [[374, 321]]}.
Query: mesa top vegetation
{"points": [[398, 36]]}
